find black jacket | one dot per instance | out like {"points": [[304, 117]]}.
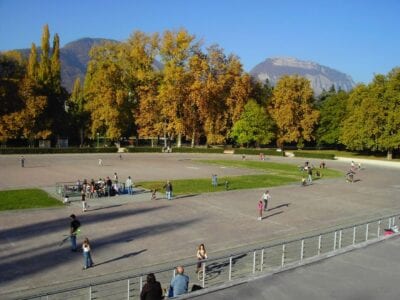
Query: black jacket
{"points": [[151, 291]]}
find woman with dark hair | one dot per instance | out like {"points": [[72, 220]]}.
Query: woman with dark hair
{"points": [[152, 289]]}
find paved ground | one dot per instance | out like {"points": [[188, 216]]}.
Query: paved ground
{"points": [[370, 273], [130, 233]]}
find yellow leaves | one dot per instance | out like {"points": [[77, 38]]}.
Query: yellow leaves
{"points": [[292, 109]]}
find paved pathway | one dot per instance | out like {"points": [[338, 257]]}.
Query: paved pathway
{"points": [[369, 273], [132, 233]]}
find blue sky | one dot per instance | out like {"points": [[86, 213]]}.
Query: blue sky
{"points": [[357, 37]]}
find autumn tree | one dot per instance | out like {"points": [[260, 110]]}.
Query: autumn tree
{"points": [[121, 87], [293, 111], [143, 82], [254, 125], [175, 50], [225, 91]]}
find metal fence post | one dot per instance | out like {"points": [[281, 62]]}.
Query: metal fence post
{"points": [[334, 241], [302, 250], [203, 266], [366, 232], [390, 223], [129, 290], [340, 239], [354, 235], [230, 268], [379, 228], [262, 260], [254, 262], [90, 292], [283, 255], [141, 282], [319, 244]]}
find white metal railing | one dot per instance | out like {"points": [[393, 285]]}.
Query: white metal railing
{"points": [[226, 268]]}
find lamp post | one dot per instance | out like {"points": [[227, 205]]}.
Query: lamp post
{"points": [[98, 135]]}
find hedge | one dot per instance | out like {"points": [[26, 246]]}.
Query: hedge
{"points": [[144, 149], [176, 150], [314, 155], [258, 151], [57, 150]]}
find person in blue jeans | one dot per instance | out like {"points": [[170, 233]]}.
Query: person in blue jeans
{"points": [[74, 229], [87, 257], [180, 283], [168, 190]]}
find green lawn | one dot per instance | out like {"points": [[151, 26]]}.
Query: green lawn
{"points": [[26, 198], [273, 174]]}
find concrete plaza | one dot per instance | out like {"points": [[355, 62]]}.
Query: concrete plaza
{"points": [[133, 233]]}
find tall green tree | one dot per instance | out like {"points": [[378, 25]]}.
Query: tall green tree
{"points": [[78, 115], [333, 111], [293, 110], [372, 122], [254, 125]]}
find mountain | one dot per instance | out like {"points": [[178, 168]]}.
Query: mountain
{"points": [[321, 77], [74, 58]]}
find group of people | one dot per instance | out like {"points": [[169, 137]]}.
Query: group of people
{"points": [[179, 284], [152, 289]]}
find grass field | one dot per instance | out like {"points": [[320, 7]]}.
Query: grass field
{"points": [[26, 198], [272, 174]]}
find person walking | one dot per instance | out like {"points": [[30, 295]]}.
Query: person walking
{"points": [[151, 289], [87, 256], [22, 159], [74, 230], [266, 197], [260, 210], [168, 190], [179, 283]]}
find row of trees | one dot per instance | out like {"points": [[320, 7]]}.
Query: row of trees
{"points": [[200, 95]]}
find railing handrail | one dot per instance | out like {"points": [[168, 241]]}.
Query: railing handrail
{"points": [[225, 256]]}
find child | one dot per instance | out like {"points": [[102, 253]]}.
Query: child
{"points": [[260, 210], [87, 257], [154, 194]]}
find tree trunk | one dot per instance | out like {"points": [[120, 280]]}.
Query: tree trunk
{"points": [[193, 138], [389, 155], [81, 136], [179, 140]]}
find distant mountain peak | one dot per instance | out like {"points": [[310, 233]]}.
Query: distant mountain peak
{"points": [[321, 77]]}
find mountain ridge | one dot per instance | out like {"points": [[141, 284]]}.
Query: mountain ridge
{"points": [[321, 77]]}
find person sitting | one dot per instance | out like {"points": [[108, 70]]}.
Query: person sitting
{"points": [[152, 289], [180, 283]]}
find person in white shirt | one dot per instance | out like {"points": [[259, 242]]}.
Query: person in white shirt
{"points": [[129, 185], [266, 197]]}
